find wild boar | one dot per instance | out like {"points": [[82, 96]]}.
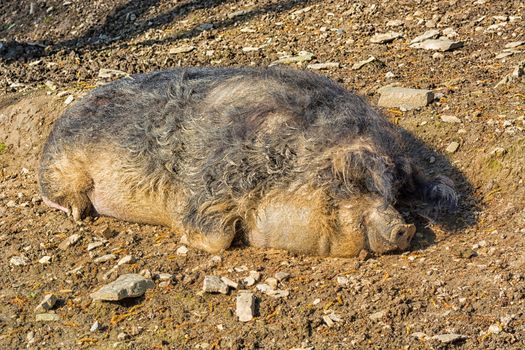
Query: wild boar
{"points": [[278, 157]]}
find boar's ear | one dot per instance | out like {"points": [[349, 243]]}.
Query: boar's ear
{"points": [[439, 192], [363, 164]]}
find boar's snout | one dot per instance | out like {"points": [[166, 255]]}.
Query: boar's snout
{"points": [[402, 234], [387, 230]]}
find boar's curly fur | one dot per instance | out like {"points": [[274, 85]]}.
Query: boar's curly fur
{"points": [[226, 137]]}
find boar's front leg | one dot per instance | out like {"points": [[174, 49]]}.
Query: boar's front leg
{"points": [[211, 227]]}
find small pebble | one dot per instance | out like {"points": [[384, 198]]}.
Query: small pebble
{"points": [[214, 284]]}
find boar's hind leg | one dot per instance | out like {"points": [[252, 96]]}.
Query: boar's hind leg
{"points": [[65, 184]]}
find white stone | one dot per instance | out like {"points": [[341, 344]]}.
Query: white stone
{"points": [[214, 284], [450, 119], [326, 65], [181, 49], [440, 44], [405, 97], [71, 240], [430, 34], [47, 303], [104, 258], [245, 306], [452, 147], [45, 260], [182, 250], [18, 260], [126, 286], [385, 37]]}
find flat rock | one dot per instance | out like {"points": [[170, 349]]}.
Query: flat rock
{"points": [[429, 34], [230, 283], [282, 276], [449, 337], [18, 261], [47, 317], [450, 119], [126, 286], [105, 73], [245, 306], [385, 37], [47, 303], [377, 315], [405, 97], [71, 240], [441, 44], [452, 147], [182, 49], [94, 245], [303, 56], [514, 44], [214, 284], [104, 258], [394, 23], [321, 66], [361, 64], [182, 250]]}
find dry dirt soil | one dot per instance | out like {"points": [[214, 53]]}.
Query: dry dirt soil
{"points": [[466, 278]]}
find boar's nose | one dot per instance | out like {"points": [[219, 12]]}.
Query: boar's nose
{"points": [[402, 234]]}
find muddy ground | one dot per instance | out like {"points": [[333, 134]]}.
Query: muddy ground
{"points": [[467, 278]]}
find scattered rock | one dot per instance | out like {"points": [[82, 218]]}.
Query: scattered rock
{"points": [[110, 74], [272, 282], [122, 336], [519, 71], [430, 34], [126, 286], [71, 240], [320, 66], [278, 293], [405, 97], [394, 23], [441, 44], [328, 321], [128, 259], [282, 276], [182, 250], [303, 56], [182, 49], [245, 306], [46, 259], [450, 119], [301, 11], [47, 317], [94, 327], [47, 303], [68, 100], [452, 147], [248, 281], [514, 44], [104, 258], [498, 151], [214, 284], [342, 280], [377, 315], [164, 276], [495, 328], [385, 38], [18, 260], [263, 287], [230, 283], [94, 245], [449, 338], [360, 64], [250, 49]]}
